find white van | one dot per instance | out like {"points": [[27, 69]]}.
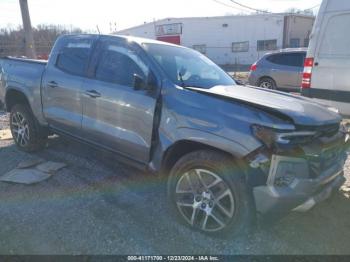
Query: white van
{"points": [[327, 66]]}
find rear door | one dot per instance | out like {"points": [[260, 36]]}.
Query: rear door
{"points": [[115, 115], [288, 69], [331, 71], [62, 83]]}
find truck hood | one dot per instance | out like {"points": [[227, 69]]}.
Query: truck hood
{"points": [[300, 110]]}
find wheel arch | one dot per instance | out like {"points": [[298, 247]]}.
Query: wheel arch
{"points": [[183, 147], [13, 97]]}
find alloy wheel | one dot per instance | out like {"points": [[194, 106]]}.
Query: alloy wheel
{"points": [[20, 129], [205, 200], [266, 84]]}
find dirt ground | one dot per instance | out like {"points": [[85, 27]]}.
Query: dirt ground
{"points": [[98, 206]]}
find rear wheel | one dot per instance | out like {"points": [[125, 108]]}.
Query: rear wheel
{"points": [[26, 132], [267, 83], [207, 192]]}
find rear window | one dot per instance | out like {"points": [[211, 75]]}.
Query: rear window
{"points": [[74, 57], [291, 59]]}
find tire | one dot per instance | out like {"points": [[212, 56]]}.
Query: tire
{"points": [[26, 132], [199, 206], [267, 83]]}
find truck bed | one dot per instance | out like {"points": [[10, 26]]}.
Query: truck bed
{"points": [[26, 60], [21, 74]]}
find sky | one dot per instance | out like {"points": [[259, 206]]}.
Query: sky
{"points": [[122, 14]]}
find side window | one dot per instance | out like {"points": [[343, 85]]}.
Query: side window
{"points": [[293, 59], [335, 41], [74, 57], [119, 64]]}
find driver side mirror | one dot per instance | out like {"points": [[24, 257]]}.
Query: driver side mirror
{"points": [[138, 82]]}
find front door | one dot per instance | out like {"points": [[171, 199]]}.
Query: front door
{"points": [[115, 115]]}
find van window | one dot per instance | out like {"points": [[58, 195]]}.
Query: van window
{"points": [[118, 65], [74, 57], [336, 41], [292, 59]]}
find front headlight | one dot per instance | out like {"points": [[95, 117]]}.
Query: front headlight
{"points": [[270, 136], [264, 134]]}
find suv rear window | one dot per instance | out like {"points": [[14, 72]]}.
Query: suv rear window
{"points": [[288, 59], [74, 57]]}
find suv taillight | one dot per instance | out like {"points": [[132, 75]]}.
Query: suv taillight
{"points": [[308, 65], [253, 67]]}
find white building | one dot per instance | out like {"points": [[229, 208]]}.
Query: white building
{"points": [[230, 40]]}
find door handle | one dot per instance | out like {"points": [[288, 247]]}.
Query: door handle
{"points": [[92, 93], [52, 84]]}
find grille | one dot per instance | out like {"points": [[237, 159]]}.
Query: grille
{"points": [[329, 130], [323, 131]]}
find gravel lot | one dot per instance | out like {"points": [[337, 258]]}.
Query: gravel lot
{"points": [[98, 206]]}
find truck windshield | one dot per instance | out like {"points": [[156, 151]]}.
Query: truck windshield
{"points": [[188, 68]]}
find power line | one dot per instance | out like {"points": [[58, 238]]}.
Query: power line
{"points": [[227, 5], [311, 8], [258, 10], [251, 8]]}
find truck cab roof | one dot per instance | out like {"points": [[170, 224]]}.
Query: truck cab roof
{"points": [[138, 40]]}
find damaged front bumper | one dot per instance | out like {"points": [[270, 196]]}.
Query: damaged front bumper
{"points": [[299, 183]]}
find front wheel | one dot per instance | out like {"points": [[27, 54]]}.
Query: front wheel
{"points": [[207, 192], [26, 132]]}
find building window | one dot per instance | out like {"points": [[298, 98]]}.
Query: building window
{"points": [[169, 29], [240, 47], [200, 48], [267, 45], [294, 43]]}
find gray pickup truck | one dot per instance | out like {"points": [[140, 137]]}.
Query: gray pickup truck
{"points": [[228, 152]]}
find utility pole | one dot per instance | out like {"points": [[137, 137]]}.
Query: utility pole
{"points": [[28, 32]]}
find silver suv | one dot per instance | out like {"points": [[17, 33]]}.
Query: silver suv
{"points": [[280, 70]]}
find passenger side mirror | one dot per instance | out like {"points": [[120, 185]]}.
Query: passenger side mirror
{"points": [[138, 82]]}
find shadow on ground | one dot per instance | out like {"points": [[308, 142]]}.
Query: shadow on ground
{"points": [[98, 206]]}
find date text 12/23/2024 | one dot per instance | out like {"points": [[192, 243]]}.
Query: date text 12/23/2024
{"points": [[173, 258]]}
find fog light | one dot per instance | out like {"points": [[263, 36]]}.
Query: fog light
{"points": [[284, 181], [285, 170]]}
